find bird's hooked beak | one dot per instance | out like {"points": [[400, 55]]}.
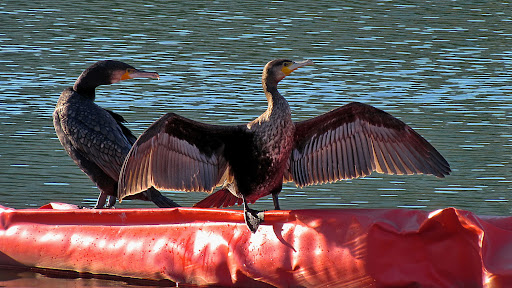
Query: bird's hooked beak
{"points": [[287, 70], [134, 73]]}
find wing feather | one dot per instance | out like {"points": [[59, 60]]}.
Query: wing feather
{"points": [[364, 152], [339, 156], [355, 140], [332, 154], [325, 157], [176, 153]]}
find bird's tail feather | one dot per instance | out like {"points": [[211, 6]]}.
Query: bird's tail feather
{"points": [[221, 198]]}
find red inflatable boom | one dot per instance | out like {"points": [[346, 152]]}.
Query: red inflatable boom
{"points": [[308, 248]]}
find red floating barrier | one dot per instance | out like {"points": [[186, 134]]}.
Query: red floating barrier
{"points": [[309, 248]]}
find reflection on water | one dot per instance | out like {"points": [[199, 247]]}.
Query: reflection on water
{"points": [[443, 68]]}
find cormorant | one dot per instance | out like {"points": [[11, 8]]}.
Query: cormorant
{"points": [[253, 160], [95, 137]]}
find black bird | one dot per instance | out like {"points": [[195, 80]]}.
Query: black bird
{"points": [[253, 160], [95, 137]]}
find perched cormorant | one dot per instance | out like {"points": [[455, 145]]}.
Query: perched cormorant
{"points": [[95, 137], [253, 160]]}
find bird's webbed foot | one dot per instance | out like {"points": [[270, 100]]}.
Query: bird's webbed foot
{"points": [[253, 218]]}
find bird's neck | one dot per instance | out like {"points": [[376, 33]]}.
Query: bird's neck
{"points": [[276, 101], [86, 93], [86, 85]]}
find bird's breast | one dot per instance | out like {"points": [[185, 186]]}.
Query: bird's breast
{"points": [[274, 144], [274, 138]]}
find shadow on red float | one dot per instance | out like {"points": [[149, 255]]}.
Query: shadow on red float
{"points": [[349, 247]]}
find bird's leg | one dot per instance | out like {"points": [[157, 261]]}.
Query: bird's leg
{"points": [[253, 218], [275, 192], [111, 202], [276, 201], [160, 200], [101, 200]]}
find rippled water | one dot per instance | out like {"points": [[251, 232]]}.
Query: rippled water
{"points": [[442, 67]]}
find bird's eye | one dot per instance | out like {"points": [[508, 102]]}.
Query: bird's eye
{"points": [[130, 70]]}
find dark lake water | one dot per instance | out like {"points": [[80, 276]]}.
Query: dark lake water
{"points": [[443, 67]]}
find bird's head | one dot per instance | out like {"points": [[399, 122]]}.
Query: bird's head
{"points": [[121, 71], [108, 72], [277, 69]]}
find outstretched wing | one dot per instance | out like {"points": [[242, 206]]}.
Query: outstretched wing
{"points": [[355, 140], [176, 153]]}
